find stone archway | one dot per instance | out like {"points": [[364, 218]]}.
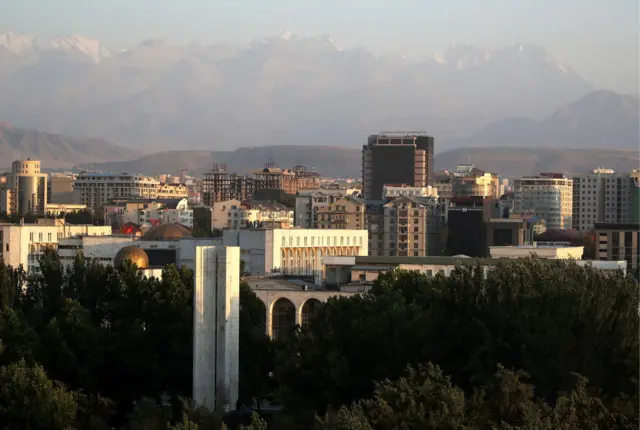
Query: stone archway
{"points": [[283, 318], [308, 311]]}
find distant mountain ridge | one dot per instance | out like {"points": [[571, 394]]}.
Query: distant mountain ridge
{"points": [[56, 151], [599, 129], [340, 162], [284, 90], [601, 119]]}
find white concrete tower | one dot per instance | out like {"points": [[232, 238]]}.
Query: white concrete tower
{"points": [[216, 323]]}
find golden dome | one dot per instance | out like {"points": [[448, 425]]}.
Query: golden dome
{"points": [[167, 232], [133, 254]]}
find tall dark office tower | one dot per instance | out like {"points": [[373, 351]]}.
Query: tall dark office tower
{"points": [[396, 158]]}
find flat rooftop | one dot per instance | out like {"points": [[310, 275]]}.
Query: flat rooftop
{"points": [[279, 284]]}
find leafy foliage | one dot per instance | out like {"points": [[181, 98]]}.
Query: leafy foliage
{"points": [[530, 344], [550, 319], [29, 399]]}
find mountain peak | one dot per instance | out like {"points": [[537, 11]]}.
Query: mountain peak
{"points": [[16, 42], [286, 35]]}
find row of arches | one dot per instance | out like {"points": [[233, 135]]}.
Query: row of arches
{"points": [[284, 318]]}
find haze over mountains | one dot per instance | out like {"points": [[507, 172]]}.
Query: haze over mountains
{"points": [[306, 92], [281, 90]]}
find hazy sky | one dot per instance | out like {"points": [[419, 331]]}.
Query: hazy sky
{"points": [[599, 38]]}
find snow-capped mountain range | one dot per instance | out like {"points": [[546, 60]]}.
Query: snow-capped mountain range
{"points": [[461, 56], [22, 44], [284, 89]]}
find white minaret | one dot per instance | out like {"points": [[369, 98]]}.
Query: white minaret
{"points": [[216, 323]]}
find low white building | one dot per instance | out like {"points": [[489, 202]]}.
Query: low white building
{"points": [[356, 274], [168, 211], [99, 248], [254, 214], [23, 244], [392, 192], [293, 251], [553, 252], [163, 245]]}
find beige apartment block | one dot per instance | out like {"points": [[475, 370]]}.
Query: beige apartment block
{"points": [[345, 213], [401, 227], [221, 213], [308, 202], [172, 191]]}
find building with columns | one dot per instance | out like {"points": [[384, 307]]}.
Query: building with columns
{"points": [[293, 251]]}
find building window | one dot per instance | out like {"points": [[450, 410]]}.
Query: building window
{"points": [[30, 237], [39, 237], [49, 237]]}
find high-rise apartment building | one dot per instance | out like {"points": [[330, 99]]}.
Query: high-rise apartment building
{"points": [[406, 226], [548, 196], [604, 196], [218, 185], [396, 158], [97, 189], [25, 190]]}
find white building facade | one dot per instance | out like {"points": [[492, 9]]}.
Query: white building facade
{"points": [[392, 192], [24, 244], [97, 189], [293, 251], [102, 249], [163, 211], [549, 196]]}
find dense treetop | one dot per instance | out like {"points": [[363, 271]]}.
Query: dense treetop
{"points": [[528, 345]]}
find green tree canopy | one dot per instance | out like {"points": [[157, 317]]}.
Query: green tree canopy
{"points": [[29, 399], [548, 318]]}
